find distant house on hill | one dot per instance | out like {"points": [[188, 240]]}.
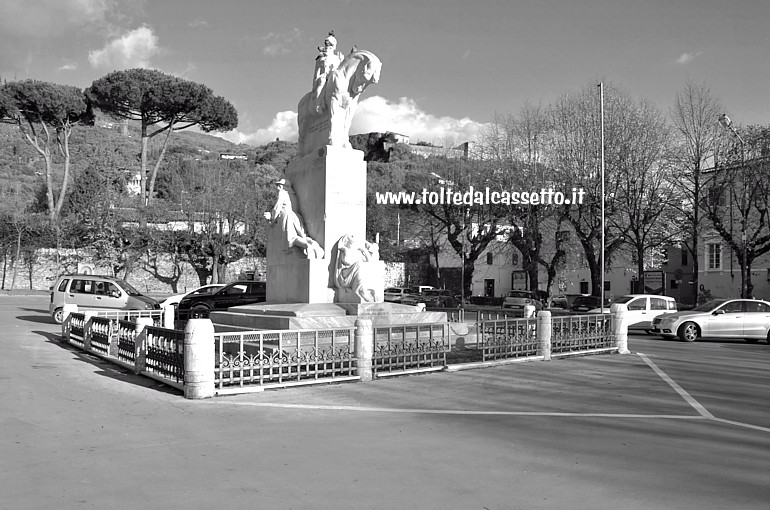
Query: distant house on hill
{"points": [[231, 156]]}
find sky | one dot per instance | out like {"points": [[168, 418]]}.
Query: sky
{"points": [[449, 66]]}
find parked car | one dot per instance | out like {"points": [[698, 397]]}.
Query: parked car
{"points": [[582, 304], [559, 301], [397, 294], [439, 298], [518, 299], [243, 292], [719, 318], [416, 296], [96, 292], [200, 291], [642, 309]]}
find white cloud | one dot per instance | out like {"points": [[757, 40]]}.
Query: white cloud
{"points": [[133, 49], [68, 67], [686, 58], [281, 44], [43, 18], [283, 126], [378, 114], [375, 114]]}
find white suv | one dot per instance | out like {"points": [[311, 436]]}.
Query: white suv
{"points": [[642, 308]]}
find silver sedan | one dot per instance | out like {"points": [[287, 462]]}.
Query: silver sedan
{"points": [[719, 318]]}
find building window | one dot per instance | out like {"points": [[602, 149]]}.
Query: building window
{"points": [[684, 257], [714, 256], [515, 259], [490, 259]]}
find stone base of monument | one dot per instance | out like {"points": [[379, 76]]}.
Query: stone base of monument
{"points": [[266, 316]]}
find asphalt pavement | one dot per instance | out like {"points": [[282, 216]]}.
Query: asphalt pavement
{"points": [[671, 426]]}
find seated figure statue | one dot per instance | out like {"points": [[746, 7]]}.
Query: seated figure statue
{"points": [[324, 114], [353, 271], [285, 215]]}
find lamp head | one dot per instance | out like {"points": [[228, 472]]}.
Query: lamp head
{"points": [[725, 121]]}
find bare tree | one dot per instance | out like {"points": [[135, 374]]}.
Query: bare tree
{"points": [[646, 196], [694, 114], [575, 160]]}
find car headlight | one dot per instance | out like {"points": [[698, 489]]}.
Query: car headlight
{"points": [[667, 320]]}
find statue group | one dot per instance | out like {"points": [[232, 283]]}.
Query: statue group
{"points": [[325, 114]]}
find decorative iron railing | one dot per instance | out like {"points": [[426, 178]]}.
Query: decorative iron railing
{"points": [[507, 338], [574, 333], [410, 347], [127, 342], [281, 358], [149, 350], [164, 353]]}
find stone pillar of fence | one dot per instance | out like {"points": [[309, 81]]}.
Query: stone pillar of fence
{"points": [[68, 309], [168, 317], [87, 329], [364, 348], [619, 317], [544, 334], [66, 326], [529, 311], [140, 344], [199, 359]]}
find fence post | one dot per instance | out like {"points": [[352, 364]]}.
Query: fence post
{"points": [[364, 348], [114, 337], [199, 359], [544, 334], [168, 317], [529, 311], [140, 344], [619, 317]]}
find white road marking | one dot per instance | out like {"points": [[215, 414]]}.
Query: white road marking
{"points": [[682, 393]]}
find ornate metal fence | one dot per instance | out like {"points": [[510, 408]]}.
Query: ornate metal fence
{"points": [[410, 347], [283, 358], [149, 350], [164, 353], [576, 333], [507, 338]]}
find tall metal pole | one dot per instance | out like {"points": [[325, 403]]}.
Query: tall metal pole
{"points": [[725, 121], [601, 103]]}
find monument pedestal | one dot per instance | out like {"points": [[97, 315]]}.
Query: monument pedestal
{"points": [[319, 316], [330, 185]]}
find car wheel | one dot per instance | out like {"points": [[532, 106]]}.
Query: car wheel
{"points": [[199, 312], [58, 315], [688, 331]]}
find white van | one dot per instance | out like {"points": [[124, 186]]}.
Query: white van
{"points": [[96, 292], [642, 308]]}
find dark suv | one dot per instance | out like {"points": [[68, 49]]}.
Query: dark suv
{"points": [[244, 292]]}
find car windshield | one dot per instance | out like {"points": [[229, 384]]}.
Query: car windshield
{"points": [[128, 288], [709, 305], [624, 299], [518, 294], [434, 292]]}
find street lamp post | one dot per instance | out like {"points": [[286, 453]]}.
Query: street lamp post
{"points": [[726, 123]]}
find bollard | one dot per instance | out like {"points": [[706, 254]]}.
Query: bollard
{"points": [[364, 348], [168, 316], [619, 317], [544, 334], [199, 359]]}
